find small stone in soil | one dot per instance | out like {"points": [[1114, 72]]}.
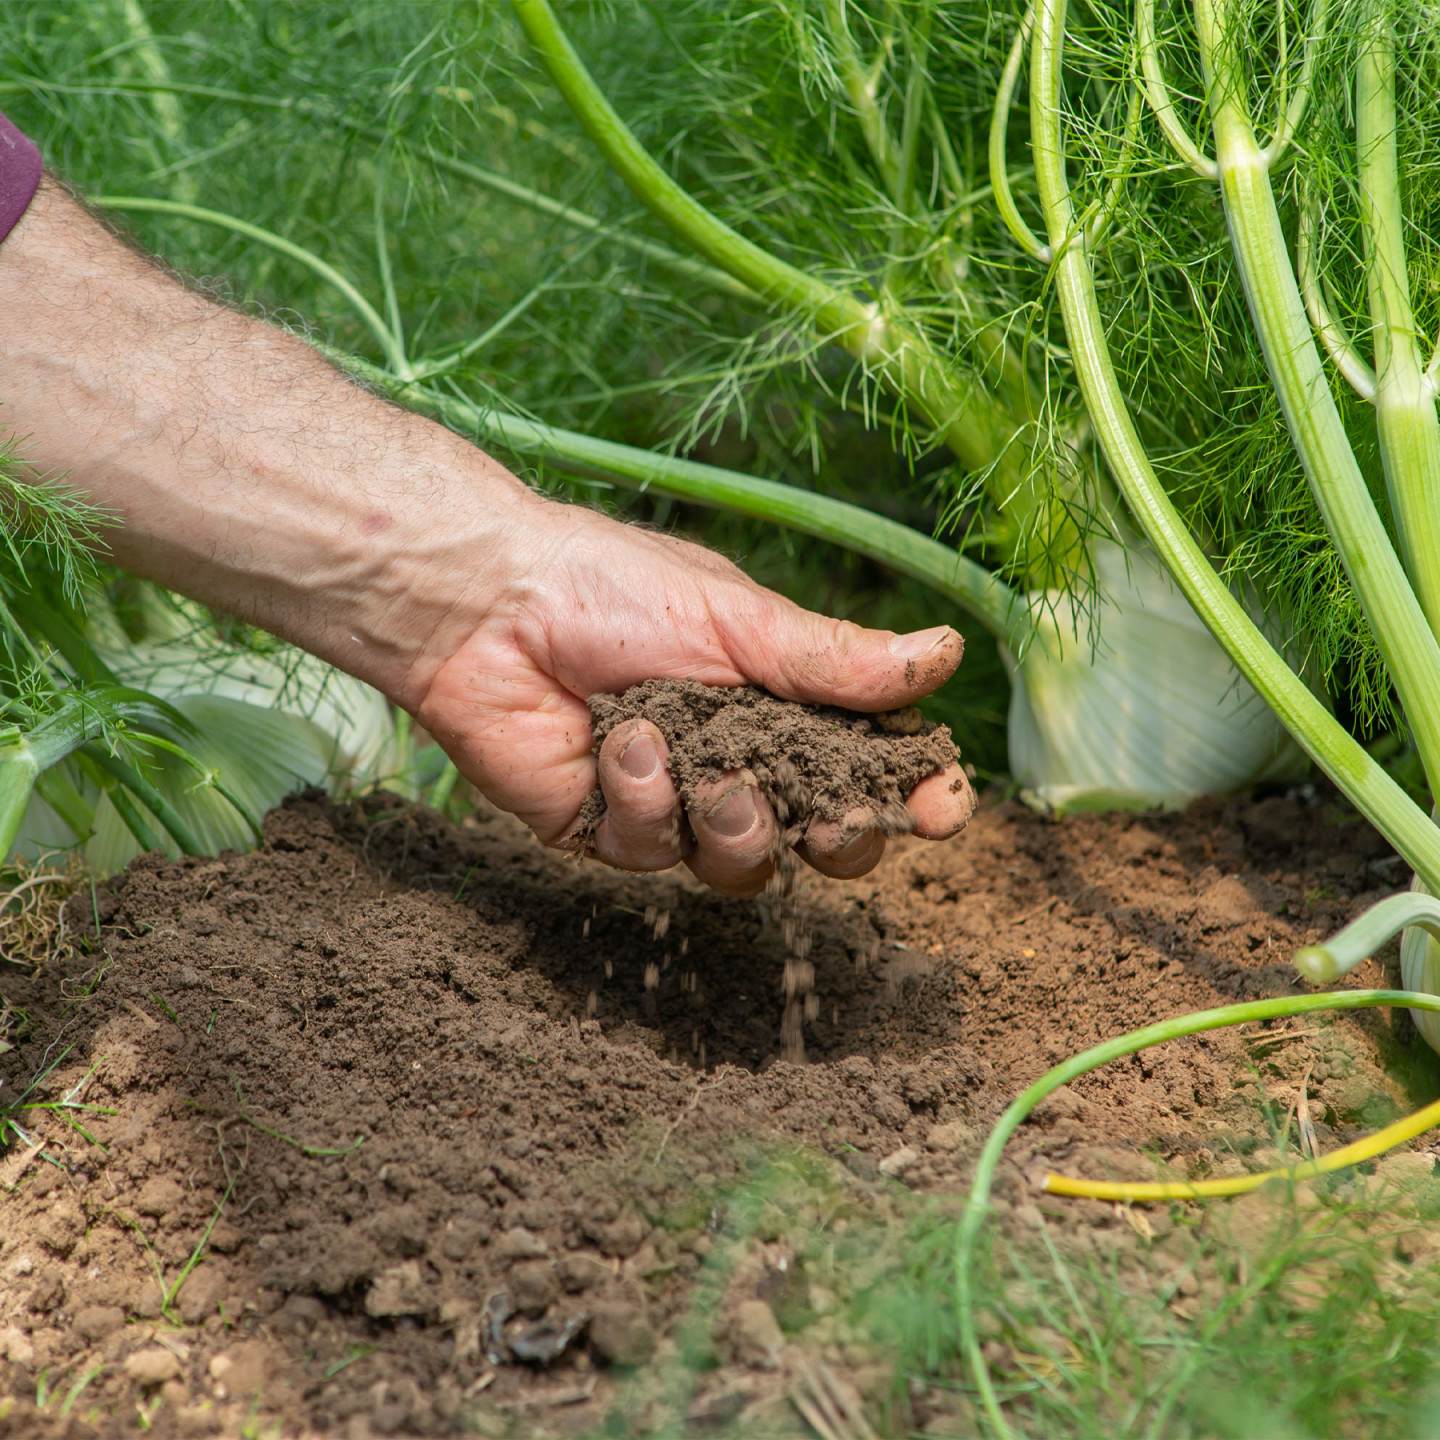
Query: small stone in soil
{"points": [[756, 1335], [621, 1333], [152, 1366]]}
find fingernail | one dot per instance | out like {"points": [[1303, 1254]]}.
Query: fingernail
{"points": [[640, 759], [735, 815], [852, 847], [918, 642]]}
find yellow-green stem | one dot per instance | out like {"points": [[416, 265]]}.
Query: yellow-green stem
{"points": [[1364, 781], [1298, 377], [1404, 395]]}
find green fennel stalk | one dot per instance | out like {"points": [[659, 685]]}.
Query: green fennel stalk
{"points": [[985, 435], [1404, 393], [1366, 783]]}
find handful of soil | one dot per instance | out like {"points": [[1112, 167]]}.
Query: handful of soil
{"points": [[809, 760]]}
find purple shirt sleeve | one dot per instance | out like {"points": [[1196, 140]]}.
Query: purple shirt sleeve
{"points": [[20, 169]]}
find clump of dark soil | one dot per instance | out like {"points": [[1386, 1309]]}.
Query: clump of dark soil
{"points": [[810, 761], [454, 1125]]}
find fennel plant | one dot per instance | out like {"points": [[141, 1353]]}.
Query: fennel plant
{"points": [[1340, 106], [844, 276]]}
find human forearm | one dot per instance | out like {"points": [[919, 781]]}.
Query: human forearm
{"points": [[242, 468]]}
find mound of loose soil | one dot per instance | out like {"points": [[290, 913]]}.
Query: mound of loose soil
{"points": [[451, 1120], [808, 760]]}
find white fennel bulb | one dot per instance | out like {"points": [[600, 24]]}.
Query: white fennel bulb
{"points": [[1153, 714], [267, 724], [355, 716]]}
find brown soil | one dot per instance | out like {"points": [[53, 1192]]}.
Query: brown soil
{"points": [[808, 760], [468, 1111]]}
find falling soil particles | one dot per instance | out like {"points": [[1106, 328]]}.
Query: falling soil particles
{"points": [[809, 762], [437, 1128]]}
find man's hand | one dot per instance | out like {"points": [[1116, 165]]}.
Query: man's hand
{"points": [[249, 474], [591, 606]]}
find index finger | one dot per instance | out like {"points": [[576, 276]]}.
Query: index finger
{"points": [[800, 655]]}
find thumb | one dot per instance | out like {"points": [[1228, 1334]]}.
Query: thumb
{"points": [[803, 656]]}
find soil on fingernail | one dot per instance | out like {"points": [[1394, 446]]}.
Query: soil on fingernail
{"points": [[809, 761]]}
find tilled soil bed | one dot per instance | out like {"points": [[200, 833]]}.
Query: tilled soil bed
{"points": [[455, 1125]]}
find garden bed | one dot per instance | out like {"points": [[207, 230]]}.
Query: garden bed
{"points": [[470, 1135]]}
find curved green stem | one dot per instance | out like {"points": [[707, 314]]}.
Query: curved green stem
{"points": [[978, 430], [1406, 421], [977, 1202], [1157, 92], [1364, 781], [1332, 332], [1014, 222], [778, 282], [212, 779], [1343, 951], [907, 551], [389, 345], [1297, 374]]}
